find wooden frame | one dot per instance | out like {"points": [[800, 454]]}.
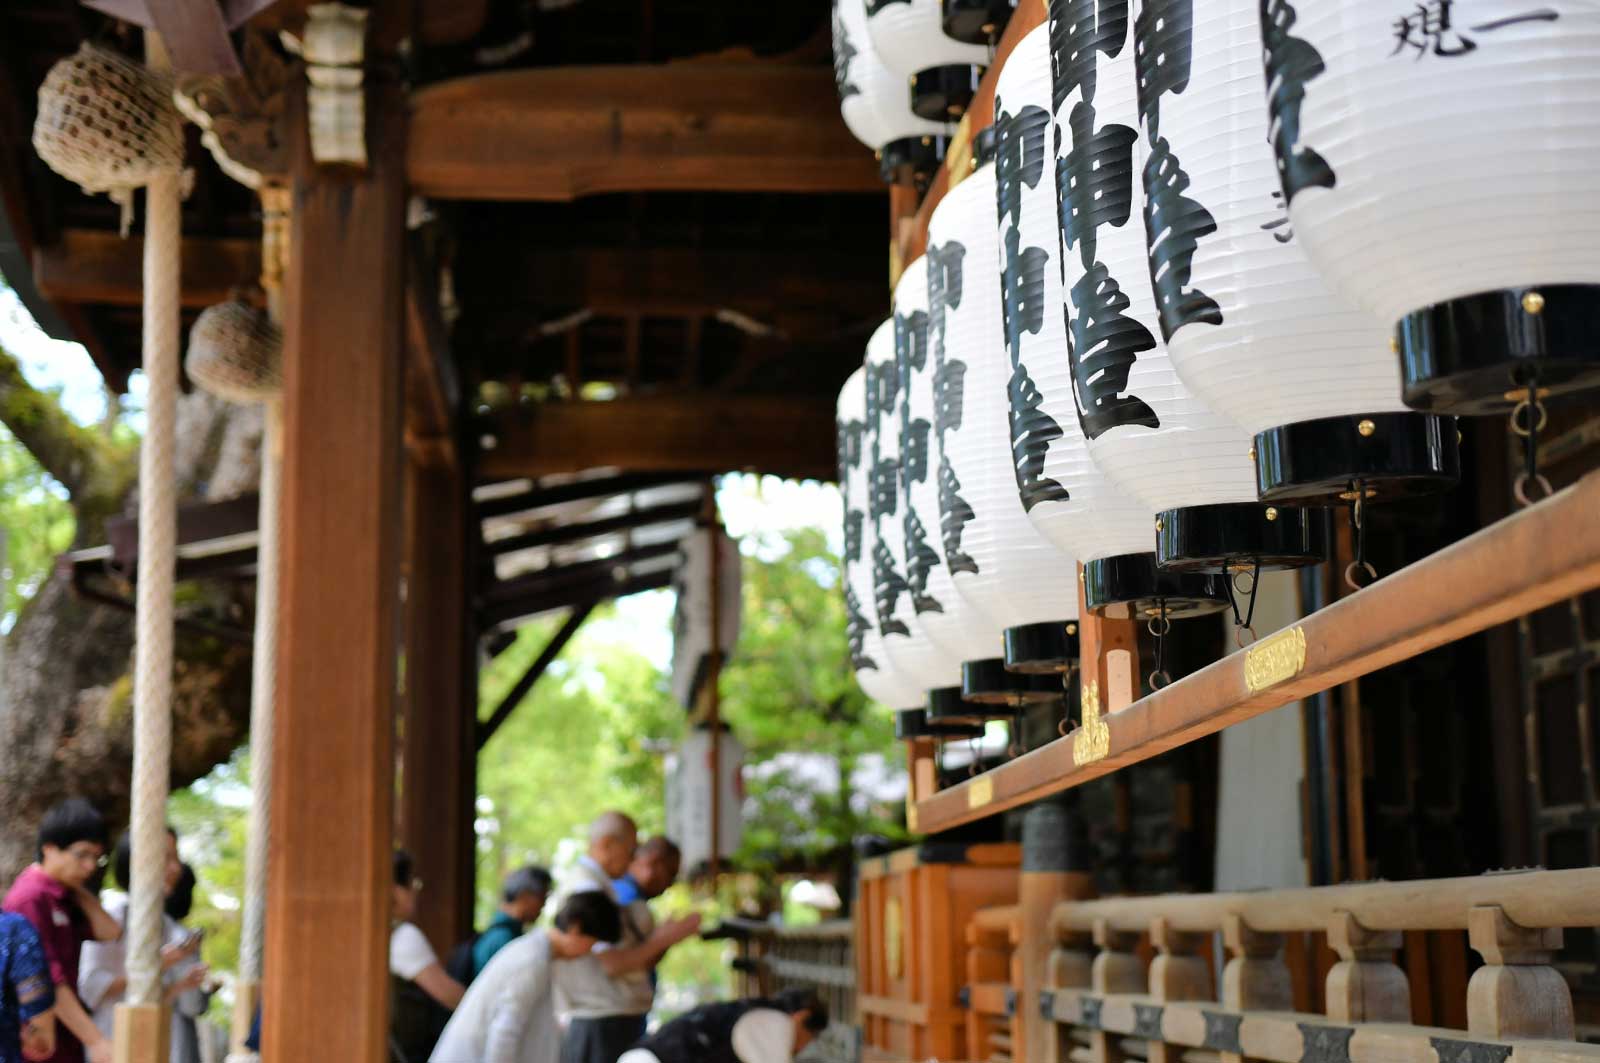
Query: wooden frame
{"points": [[1542, 555]]}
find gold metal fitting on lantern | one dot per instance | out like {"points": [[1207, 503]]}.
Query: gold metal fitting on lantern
{"points": [[1394, 345], [1252, 453], [1158, 524], [1533, 303], [1366, 427], [1072, 629], [1272, 512]]}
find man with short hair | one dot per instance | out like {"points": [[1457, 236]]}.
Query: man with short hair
{"points": [[741, 1031], [653, 870], [608, 994], [507, 1015], [51, 896], [522, 898], [422, 994]]}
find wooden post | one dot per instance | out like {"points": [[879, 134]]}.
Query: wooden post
{"points": [[1116, 969], [1255, 978], [1055, 867], [1366, 985], [1177, 973], [1516, 993], [327, 984], [1109, 658], [439, 760]]}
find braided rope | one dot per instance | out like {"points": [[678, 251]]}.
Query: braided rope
{"points": [[152, 675]]}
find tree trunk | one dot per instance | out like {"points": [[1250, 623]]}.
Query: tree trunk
{"points": [[66, 695]]}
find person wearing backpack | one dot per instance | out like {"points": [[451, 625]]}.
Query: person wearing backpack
{"points": [[522, 898]]}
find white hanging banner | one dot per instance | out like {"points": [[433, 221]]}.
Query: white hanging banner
{"points": [[690, 784], [691, 626]]}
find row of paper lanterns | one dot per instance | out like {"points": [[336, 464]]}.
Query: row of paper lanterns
{"points": [[1216, 265]]}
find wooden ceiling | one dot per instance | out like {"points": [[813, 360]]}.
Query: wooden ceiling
{"points": [[727, 262]]}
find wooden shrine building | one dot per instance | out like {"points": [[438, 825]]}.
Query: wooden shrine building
{"points": [[544, 268]]}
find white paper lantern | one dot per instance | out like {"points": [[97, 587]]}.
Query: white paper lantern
{"points": [[909, 36], [906, 642], [872, 98], [999, 562], [1440, 160], [874, 671], [1252, 329], [1066, 496]]}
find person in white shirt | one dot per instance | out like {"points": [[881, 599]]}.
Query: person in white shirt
{"points": [[608, 996], [743, 1031], [422, 993], [507, 1015], [102, 974]]}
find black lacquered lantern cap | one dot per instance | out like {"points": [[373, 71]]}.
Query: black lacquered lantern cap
{"points": [[1480, 353], [976, 21], [1131, 587], [1336, 460], [1042, 649], [912, 161], [914, 723], [988, 682], [1240, 536], [950, 705], [943, 93]]}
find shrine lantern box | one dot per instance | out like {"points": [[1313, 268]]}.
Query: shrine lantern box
{"points": [[912, 910]]}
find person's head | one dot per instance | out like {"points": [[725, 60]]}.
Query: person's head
{"points": [[807, 1011], [72, 842], [171, 870], [612, 838], [524, 893], [406, 887], [180, 901], [655, 866], [585, 919]]}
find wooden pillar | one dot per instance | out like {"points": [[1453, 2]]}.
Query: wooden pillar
{"points": [[1055, 867], [1255, 977], [439, 755], [326, 967], [1366, 985], [1517, 992], [1116, 969]]}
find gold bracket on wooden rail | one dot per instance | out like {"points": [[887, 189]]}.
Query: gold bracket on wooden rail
{"points": [[1092, 740], [1275, 658]]}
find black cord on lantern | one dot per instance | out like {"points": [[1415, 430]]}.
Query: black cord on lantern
{"points": [[1358, 536], [1245, 623], [1159, 626], [1065, 726], [1530, 445]]}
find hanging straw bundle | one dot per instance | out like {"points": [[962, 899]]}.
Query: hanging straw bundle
{"points": [[236, 353], [108, 124]]}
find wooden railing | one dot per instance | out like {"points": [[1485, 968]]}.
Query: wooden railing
{"points": [[821, 957], [1111, 1007], [994, 973]]}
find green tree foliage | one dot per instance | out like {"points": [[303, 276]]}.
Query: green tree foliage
{"points": [[38, 524]]}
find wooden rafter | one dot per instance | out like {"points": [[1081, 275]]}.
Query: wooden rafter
{"points": [[572, 533], [782, 435], [573, 491], [519, 690], [98, 266], [558, 133]]}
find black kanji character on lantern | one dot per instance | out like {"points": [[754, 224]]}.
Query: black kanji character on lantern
{"points": [[875, 6], [1022, 291], [887, 587], [843, 53], [1020, 159], [1078, 30], [1280, 228], [921, 559], [913, 451], [945, 284], [1174, 225], [854, 520], [1094, 181], [1292, 64], [1162, 55], [1427, 29], [856, 627], [1032, 432], [1104, 343]]}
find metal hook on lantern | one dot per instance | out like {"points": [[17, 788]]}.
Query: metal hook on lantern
{"points": [[1524, 425], [1358, 532], [1244, 624], [1160, 626]]}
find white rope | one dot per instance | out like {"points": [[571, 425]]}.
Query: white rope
{"points": [[264, 679], [152, 674]]}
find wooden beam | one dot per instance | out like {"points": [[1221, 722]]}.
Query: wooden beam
{"points": [[438, 21], [519, 690], [1542, 555], [333, 772], [433, 388], [194, 32], [438, 773], [557, 133], [574, 491], [98, 266], [600, 589], [507, 600], [785, 436], [571, 533]]}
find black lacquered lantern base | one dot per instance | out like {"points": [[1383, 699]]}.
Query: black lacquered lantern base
{"points": [[1478, 354], [988, 682], [976, 21], [1240, 536], [1042, 649], [1130, 586], [943, 93], [912, 160], [914, 723], [1389, 455]]}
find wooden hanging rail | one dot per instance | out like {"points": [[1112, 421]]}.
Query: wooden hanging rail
{"points": [[1546, 553]]}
